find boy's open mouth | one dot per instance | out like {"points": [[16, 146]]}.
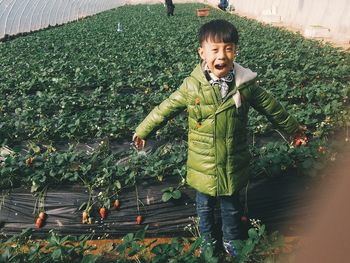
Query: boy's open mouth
{"points": [[220, 66]]}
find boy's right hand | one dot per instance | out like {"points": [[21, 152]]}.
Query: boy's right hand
{"points": [[138, 142], [300, 137]]}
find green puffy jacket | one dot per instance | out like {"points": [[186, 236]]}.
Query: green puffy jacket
{"points": [[218, 154]]}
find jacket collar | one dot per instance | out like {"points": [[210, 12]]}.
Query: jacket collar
{"points": [[242, 75]]}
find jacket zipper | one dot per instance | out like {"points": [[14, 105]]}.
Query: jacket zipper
{"points": [[216, 156]]}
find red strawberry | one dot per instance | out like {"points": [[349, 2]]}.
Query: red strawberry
{"points": [[29, 161], [85, 216], [42, 215], [103, 212], [322, 149], [116, 204], [139, 220], [297, 142], [39, 222], [300, 140]]}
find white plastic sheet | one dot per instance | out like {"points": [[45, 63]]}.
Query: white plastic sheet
{"points": [[18, 16]]}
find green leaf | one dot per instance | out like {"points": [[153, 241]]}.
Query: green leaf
{"points": [[176, 194], [135, 248], [252, 233], [117, 184], [89, 259], [140, 234], [128, 238], [56, 254], [166, 196], [168, 189], [83, 205]]}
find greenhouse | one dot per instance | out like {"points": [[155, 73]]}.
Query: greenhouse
{"points": [[83, 84]]}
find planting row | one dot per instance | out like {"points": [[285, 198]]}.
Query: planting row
{"points": [[86, 80]]}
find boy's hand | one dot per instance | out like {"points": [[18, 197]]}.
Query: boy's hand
{"points": [[138, 142], [300, 137]]}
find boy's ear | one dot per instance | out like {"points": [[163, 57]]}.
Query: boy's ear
{"points": [[201, 52]]}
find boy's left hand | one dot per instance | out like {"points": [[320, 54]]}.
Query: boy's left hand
{"points": [[300, 137], [138, 142]]}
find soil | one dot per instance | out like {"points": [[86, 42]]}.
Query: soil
{"points": [[105, 247]]}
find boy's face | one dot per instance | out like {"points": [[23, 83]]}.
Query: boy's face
{"points": [[218, 56]]}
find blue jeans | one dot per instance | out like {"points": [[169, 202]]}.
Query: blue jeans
{"points": [[230, 215]]}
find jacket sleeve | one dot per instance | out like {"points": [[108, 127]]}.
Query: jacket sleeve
{"points": [[176, 102], [266, 104]]}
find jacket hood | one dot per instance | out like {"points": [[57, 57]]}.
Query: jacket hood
{"points": [[242, 75]]}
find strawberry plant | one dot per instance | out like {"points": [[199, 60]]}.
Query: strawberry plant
{"points": [[179, 250], [22, 248], [169, 193], [260, 246]]}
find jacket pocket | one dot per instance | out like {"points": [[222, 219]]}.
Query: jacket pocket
{"points": [[198, 113]]}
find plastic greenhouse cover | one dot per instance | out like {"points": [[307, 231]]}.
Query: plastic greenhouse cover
{"points": [[278, 202], [18, 16]]}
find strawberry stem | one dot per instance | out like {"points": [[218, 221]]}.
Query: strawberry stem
{"points": [[40, 201], [137, 200], [281, 136]]}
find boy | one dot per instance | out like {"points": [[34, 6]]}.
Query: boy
{"points": [[217, 96]]}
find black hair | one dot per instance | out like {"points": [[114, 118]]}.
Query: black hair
{"points": [[218, 30]]}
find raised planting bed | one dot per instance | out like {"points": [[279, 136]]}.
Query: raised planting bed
{"points": [[279, 202]]}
